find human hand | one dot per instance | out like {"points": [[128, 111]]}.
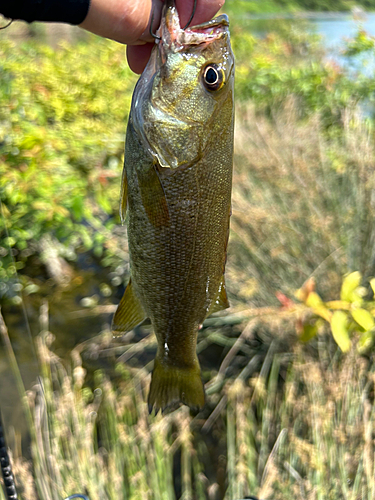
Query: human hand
{"points": [[128, 21]]}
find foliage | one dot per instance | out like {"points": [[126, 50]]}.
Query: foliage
{"points": [[243, 8], [253, 6], [350, 317], [332, 5], [291, 63], [362, 42], [62, 127]]}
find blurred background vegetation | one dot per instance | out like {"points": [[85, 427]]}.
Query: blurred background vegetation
{"points": [[289, 413], [241, 6]]}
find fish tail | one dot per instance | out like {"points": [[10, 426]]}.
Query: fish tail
{"points": [[171, 384]]}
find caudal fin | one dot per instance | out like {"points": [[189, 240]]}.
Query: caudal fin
{"points": [[170, 384]]}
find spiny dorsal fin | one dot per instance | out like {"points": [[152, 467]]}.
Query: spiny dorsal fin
{"points": [[129, 312], [124, 196], [221, 301]]}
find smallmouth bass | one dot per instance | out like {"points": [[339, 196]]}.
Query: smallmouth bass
{"points": [[176, 190]]}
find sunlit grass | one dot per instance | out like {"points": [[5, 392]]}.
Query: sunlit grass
{"points": [[301, 426], [302, 203], [313, 440]]}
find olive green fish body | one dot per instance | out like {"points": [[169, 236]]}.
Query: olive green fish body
{"points": [[177, 185]]}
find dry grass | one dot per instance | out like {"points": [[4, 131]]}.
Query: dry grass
{"points": [[312, 440], [302, 427], [303, 204]]}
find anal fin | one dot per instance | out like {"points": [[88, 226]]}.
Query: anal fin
{"points": [[129, 313]]}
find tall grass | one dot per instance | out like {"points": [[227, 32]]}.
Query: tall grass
{"points": [[301, 427], [303, 202], [312, 440], [102, 442]]}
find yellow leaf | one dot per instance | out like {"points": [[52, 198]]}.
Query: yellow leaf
{"points": [[365, 342], [41, 205], [339, 327], [313, 300], [318, 306], [309, 332], [349, 285], [364, 318], [59, 209]]}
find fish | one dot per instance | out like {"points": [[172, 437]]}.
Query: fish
{"points": [[176, 198]]}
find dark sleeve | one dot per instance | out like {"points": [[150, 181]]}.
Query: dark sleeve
{"points": [[62, 11]]}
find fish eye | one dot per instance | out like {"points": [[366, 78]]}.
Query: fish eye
{"points": [[213, 77]]}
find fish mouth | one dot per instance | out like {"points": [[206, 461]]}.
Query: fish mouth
{"points": [[174, 38]]}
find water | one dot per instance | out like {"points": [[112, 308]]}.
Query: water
{"points": [[68, 327], [335, 28]]}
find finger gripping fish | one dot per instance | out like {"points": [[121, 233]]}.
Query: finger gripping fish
{"points": [[176, 190]]}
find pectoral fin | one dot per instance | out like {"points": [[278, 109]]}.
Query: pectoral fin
{"points": [[130, 312], [153, 197], [221, 301], [124, 196]]}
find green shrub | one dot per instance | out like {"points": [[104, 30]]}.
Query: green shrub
{"points": [[243, 7], [351, 317], [62, 127]]}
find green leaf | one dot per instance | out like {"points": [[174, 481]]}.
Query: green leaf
{"points": [[349, 286], [77, 207], [372, 283], [339, 327], [365, 342], [309, 332], [364, 318]]}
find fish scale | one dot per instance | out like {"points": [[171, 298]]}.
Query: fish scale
{"points": [[177, 192]]}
